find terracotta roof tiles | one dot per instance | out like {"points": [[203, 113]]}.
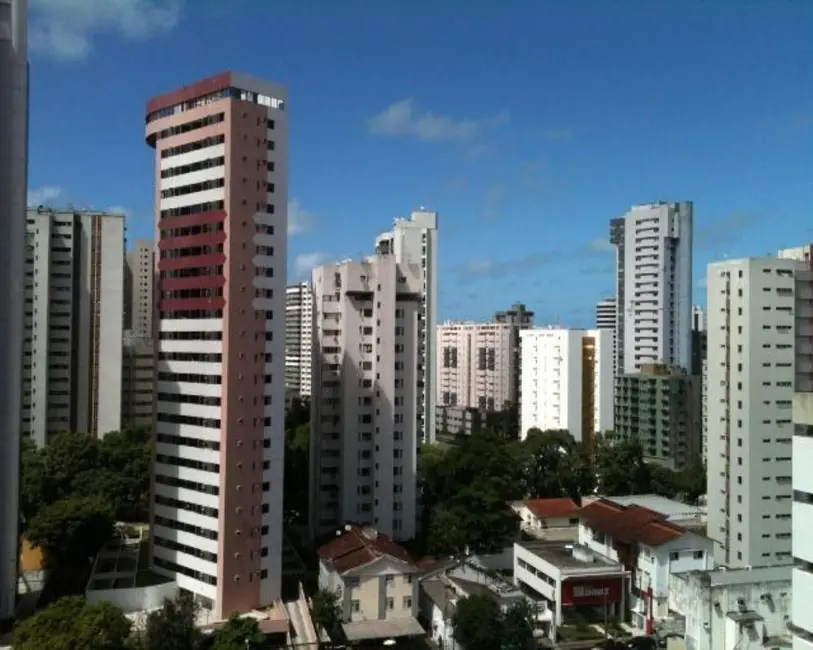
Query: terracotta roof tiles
{"points": [[358, 546], [630, 523], [552, 508]]}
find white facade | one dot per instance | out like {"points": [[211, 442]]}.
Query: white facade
{"points": [[415, 241], [298, 338], [74, 315], [736, 609], [366, 419], [475, 365], [750, 378], [654, 285], [802, 463], [553, 385], [13, 183], [139, 283]]}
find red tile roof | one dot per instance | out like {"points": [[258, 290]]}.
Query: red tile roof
{"points": [[359, 546], [552, 508], [630, 523]]}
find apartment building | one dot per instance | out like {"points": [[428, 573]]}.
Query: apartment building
{"points": [[519, 318], [137, 382], [138, 289], [653, 285], [567, 381], [415, 241], [221, 157], [366, 395], [606, 315], [802, 508], [476, 366], [660, 407], [13, 182], [750, 377], [298, 339], [74, 312]]}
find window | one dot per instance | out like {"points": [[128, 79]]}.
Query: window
{"points": [[355, 605], [674, 556], [407, 602], [390, 603], [698, 555], [389, 580]]}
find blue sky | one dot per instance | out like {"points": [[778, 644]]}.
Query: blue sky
{"points": [[526, 125]]}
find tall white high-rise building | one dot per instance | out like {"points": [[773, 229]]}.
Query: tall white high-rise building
{"points": [[476, 365], [750, 376], [606, 316], [13, 183], [415, 241], [567, 381], [365, 400], [653, 285], [74, 316], [221, 158], [298, 339]]}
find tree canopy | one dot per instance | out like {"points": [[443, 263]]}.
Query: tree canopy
{"points": [[238, 633], [78, 485], [477, 623], [466, 487], [327, 612], [72, 623], [173, 627]]}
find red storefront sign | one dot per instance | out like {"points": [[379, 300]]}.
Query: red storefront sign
{"points": [[591, 591]]}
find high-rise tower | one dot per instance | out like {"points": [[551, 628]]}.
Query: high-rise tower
{"points": [[13, 180], [653, 285], [221, 214]]}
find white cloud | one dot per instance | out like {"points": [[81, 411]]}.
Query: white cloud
{"points": [[402, 118], [305, 262], [601, 245], [299, 219], [43, 195], [64, 29]]}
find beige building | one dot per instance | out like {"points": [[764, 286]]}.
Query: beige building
{"points": [[365, 425], [138, 283], [298, 339], [377, 583], [137, 382], [74, 312], [476, 366]]}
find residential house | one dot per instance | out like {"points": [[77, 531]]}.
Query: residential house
{"points": [[649, 546], [542, 517], [376, 581]]}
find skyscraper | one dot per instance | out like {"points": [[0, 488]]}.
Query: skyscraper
{"points": [[139, 282], [653, 285], [365, 429], [72, 354], [750, 377], [13, 181], [298, 338], [415, 241], [221, 156], [519, 318]]}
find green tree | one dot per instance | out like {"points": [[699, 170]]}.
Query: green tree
{"points": [[238, 633], [518, 624], [477, 623], [71, 531], [34, 492], [327, 612], [691, 480], [621, 467], [447, 535], [554, 465], [173, 627], [71, 623]]}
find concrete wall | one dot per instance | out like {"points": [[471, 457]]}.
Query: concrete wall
{"points": [[135, 599]]}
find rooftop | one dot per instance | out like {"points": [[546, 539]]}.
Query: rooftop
{"points": [[671, 508], [551, 508], [568, 556], [722, 577], [632, 523], [358, 546]]}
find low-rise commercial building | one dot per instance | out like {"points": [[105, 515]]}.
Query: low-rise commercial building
{"points": [[571, 581], [376, 580]]}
